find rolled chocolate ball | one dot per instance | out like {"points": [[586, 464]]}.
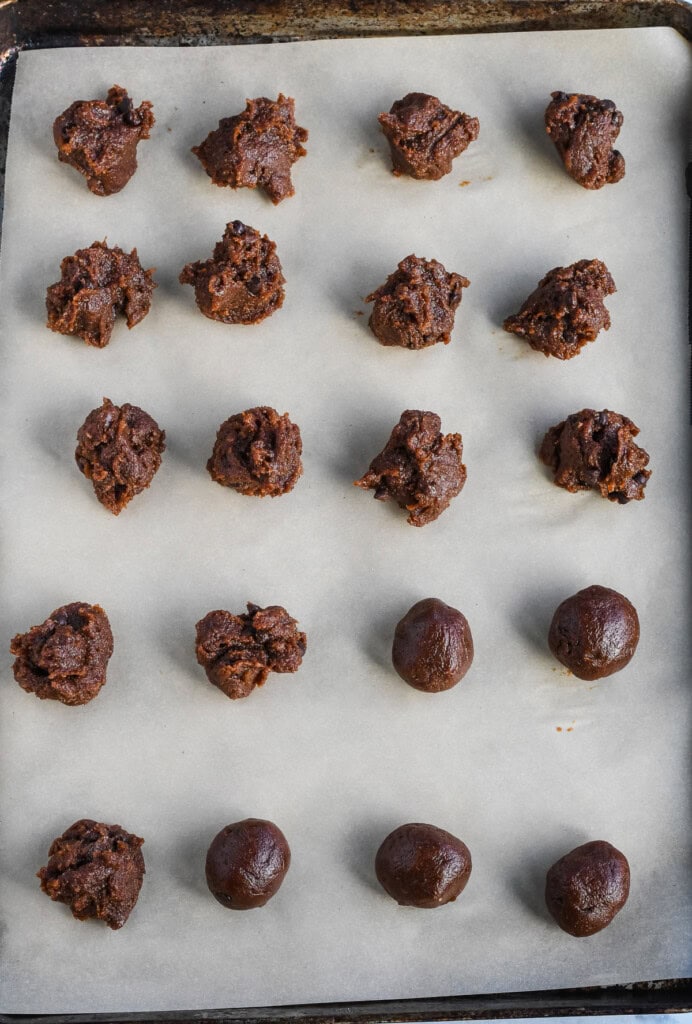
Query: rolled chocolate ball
{"points": [[587, 887], [246, 863], [422, 866], [433, 647], [594, 633]]}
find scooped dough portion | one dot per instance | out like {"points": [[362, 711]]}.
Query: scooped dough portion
{"points": [[97, 870], [595, 632], [425, 135], [97, 285], [257, 453], [584, 130], [586, 888], [119, 449], [415, 306], [66, 657], [257, 148], [423, 866], [246, 863], [99, 139]]}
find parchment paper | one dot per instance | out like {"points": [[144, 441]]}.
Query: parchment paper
{"points": [[344, 751]]}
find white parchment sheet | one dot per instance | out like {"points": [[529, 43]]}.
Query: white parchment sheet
{"points": [[344, 751]]}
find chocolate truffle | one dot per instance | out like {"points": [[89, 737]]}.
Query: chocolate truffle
{"points": [[595, 451], [257, 453], [584, 129], [419, 468], [433, 647], [423, 866], [66, 657], [246, 864], [96, 285], [415, 306], [99, 139], [587, 887], [594, 633], [566, 310], [424, 135], [238, 652], [256, 148], [119, 449], [97, 870], [242, 283]]}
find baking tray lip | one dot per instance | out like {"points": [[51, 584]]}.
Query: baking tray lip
{"points": [[19, 32]]}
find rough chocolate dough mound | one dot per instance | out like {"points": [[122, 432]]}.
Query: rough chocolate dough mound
{"points": [[246, 863], [587, 887], [97, 870], [256, 148], [419, 468], [257, 453], [424, 135], [66, 657], [423, 866], [433, 647], [415, 306], [566, 310], [96, 285], [242, 283], [238, 652], [596, 451], [594, 633], [99, 138], [119, 449], [584, 129]]}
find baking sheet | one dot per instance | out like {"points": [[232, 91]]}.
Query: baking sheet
{"points": [[521, 760]]}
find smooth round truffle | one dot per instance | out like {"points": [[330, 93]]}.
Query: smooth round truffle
{"points": [[96, 285], [242, 282], [246, 864], [586, 888], [425, 135], [415, 306], [423, 866], [433, 646], [99, 139], [238, 652], [119, 449], [97, 870], [594, 633], [257, 453], [66, 657]]}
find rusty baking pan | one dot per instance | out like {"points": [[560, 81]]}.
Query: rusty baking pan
{"points": [[33, 24]]}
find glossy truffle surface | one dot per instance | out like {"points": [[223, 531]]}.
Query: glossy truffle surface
{"points": [[586, 888], [433, 646], [422, 866], [594, 633], [425, 135], [238, 652], [66, 657], [246, 863], [97, 870]]}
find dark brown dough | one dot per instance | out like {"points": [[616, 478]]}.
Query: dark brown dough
{"points": [[246, 863], [242, 283], [433, 647], [566, 309], [99, 138], [415, 306], [596, 451], [587, 887], [97, 870], [96, 285], [424, 135], [256, 148], [66, 657], [238, 652], [119, 449], [257, 453], [594, 633], [419, 468], [584, 129], [423, 866]]}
